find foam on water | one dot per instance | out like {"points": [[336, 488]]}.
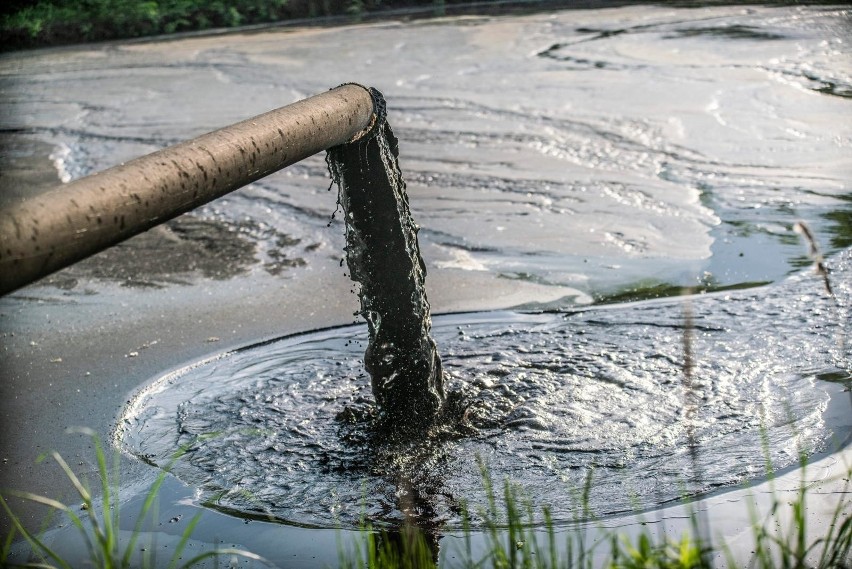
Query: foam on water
{"points": [[282, 429], [597, 135]]}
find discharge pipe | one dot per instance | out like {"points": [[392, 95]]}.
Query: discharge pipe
{"points": [[68, 223]]}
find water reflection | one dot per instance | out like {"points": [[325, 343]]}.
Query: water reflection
{"points": [[840, 225], [571, 149]]}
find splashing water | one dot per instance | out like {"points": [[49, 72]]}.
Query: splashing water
{"points": [[533, 171], [282, 429]]}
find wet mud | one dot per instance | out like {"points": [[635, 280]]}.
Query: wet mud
{"points": [[550, 398], [183, 250]]}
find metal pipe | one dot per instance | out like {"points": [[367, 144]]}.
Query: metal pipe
{"points": [[70, 222]]}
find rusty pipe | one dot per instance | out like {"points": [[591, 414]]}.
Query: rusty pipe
{"points": [[64, 225]]}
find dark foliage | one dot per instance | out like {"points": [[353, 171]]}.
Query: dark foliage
{"points": [[34, 23]]}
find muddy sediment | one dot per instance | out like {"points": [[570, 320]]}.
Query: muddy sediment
{"points": [[183, 250], [536, 181]]}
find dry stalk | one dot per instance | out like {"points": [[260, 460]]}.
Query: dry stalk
{"points": [[802, 228]]}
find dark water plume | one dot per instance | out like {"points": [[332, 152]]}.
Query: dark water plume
{"points": [[383, 256]]}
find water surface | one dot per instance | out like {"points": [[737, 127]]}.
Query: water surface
{"points": [[281, 429], [588, 151]]}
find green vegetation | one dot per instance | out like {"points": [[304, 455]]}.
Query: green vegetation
{"points": [[780, 540], [55, 22], [38, 23], [512, 540], [99, 528], [49, 22]]}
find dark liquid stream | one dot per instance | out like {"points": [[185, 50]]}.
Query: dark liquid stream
{"points": [[384, 258]]}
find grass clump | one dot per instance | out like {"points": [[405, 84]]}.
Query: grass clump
{"points": [[98, 527], [513, 540], [781, 537], [511, 536]]}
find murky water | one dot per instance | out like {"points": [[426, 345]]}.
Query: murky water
{"points": [[590, 151], [282, 430], [574, 156]]}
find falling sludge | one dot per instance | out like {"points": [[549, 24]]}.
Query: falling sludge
{"points": [[383, 257]]}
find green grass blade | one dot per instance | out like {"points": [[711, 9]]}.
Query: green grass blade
{"points": [[86, 496], [838, 541], [59, 506], [468, 546], [838, 549], [79, 486], [150, 498], [551, 539], [110, 533], [36, 544], [7, 546]]}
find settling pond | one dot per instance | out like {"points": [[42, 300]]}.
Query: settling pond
{"points": [[596, 190]]}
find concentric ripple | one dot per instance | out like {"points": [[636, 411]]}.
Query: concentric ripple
{"points": [[281, 429]]}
